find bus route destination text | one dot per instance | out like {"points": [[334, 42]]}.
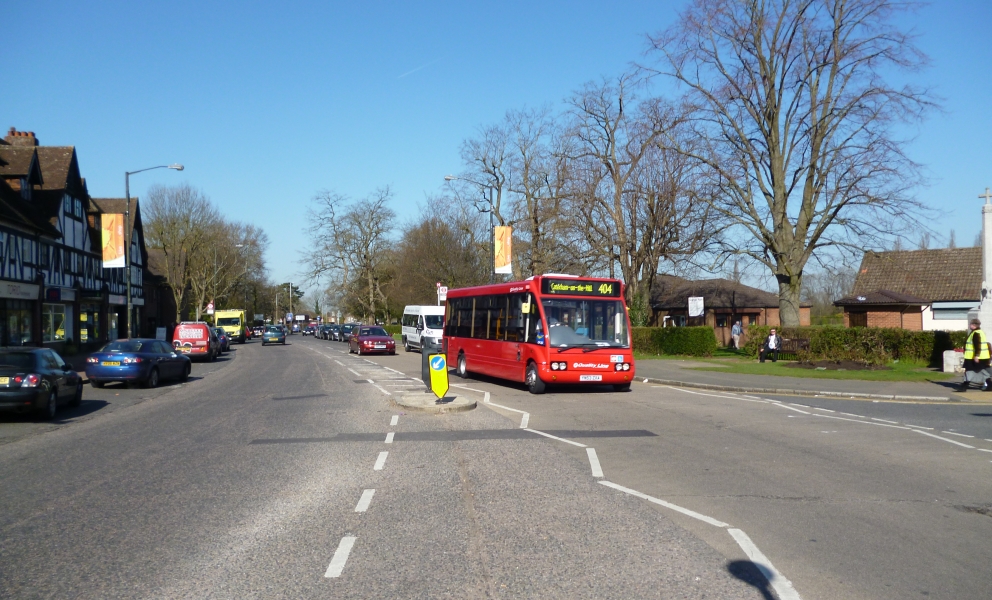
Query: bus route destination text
{"points": [[584, 288]]}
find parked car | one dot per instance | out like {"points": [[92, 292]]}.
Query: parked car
{"points": [[138, 360], [334, 332], [367, 339], [274, 334], [346, 331], [197, 340], [225, 339], [296, 327], [37, 380]]}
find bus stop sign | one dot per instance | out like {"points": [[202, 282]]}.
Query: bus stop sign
{"points": [[439, 375]]}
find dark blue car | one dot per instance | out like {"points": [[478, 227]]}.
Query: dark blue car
{"points": [[142, 361]]}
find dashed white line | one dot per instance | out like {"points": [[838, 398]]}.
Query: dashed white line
{"points": [[824, 409], [782, 586], [357, 374], [853, 415], [959, 434], [389, 437], [597, 470], [394, 421], [524, 421], [365, 501], [790, 408], [669, 505], [548, 435], [983, 450], [864, 422], [394, 371], [340, 557], [380, 462], [339, 362], [922, 427], [884, 421]]}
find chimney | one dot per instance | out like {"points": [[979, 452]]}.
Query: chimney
{"points": [[20, 138]]}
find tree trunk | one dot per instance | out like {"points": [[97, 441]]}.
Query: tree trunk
{"points": [[789, 288]]}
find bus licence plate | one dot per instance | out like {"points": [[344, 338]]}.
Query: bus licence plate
{"points": [[590, 377]]}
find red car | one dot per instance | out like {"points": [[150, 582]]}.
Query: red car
{"points": [[366, 339]]}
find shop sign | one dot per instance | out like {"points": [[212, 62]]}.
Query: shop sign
{"points": [[19, 291]]}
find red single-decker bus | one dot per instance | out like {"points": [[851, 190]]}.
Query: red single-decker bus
{"points": [[548, 329]]}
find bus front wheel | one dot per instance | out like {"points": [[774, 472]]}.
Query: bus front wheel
{"points": [[462, 368], [534, 383]]}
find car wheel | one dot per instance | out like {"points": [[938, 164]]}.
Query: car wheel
{"points": [[263, 342], [406, 345], [462, 368], [96, 384], [152, 380], [534, 383], [213, 356], [621, 387], [185, 374], [77, 398], [51, 407]]}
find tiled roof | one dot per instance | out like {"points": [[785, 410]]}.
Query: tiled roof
{"points": [[670, 292], [881, 297], [16, 161], [942, 275], [17, 211], [60, 170]]}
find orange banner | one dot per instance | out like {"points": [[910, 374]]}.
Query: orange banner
{"points": [[502, 253], [112, 227]]}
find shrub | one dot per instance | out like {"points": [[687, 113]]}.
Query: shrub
{"points": [[684, 341], [867, 345], [393, 329]]}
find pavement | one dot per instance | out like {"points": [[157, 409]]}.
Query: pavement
{"points": [[685, 373]]}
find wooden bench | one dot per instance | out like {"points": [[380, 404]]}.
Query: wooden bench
{"points": [[792, 347]]}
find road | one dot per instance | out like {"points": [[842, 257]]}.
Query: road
{"points": [[283, 472]]}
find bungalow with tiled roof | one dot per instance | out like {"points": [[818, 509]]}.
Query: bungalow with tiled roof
{"points": [[724, 302], [920, 290]]}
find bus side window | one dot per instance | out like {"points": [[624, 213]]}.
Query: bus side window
{"points": [[515, 319], [532, 319]]}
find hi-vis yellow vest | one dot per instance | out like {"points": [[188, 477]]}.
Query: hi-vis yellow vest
{"points": [[983, 351]]}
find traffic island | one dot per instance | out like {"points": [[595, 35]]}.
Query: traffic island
{"points": [[426, 401]]}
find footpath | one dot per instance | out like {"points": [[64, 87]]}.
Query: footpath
{"points": [[685, 373]]}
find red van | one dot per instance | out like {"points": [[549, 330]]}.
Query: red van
{"points": [[196, 340]]}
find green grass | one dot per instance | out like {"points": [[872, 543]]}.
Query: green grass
{"points": [[729, 361]]}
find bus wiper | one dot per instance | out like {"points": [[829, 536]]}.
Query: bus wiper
{"points": [[585, 347]]}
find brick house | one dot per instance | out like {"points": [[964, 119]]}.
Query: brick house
{"points": [[724, 302], [920, 290]]}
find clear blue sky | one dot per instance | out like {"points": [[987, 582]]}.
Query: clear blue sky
{"points": [[266, 103]]}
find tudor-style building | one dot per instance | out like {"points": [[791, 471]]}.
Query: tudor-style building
{"points": [[113, 279]]}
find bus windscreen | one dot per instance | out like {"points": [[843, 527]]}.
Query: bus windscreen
{"points": [[586, 323]]}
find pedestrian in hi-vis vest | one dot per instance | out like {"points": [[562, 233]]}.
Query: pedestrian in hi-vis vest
{"points": [[977, 355]]}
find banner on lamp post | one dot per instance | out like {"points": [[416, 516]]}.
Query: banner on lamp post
{"points": [[502, 253], [112, 229]]}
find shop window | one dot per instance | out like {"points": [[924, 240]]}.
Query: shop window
{"points": [[16, 324], [53, 323]]}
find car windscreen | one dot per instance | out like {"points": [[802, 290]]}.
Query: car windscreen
{"points": [[434, 321], [17, 360], [228, 322], [367, 331], [130, 346]]}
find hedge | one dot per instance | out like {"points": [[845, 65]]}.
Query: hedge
{"points": [[393, 329], [686, 341], [867, 345]]}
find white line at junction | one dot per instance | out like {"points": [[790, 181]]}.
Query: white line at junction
{"points": [[380, 462], [669, 505], [782, 586], [548, 435], [597, 470], [389, 437], [394, 421], [381, 389]]}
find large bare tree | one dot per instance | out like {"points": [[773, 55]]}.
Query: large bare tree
{"points": [[799, 124], [350, 244]]}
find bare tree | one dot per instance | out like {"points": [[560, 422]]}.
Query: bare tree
{"points": [[798, 121], [233, 252], [178, 221], [349, 243]]}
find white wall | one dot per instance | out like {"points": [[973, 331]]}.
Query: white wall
{"points": [[931, 324]]}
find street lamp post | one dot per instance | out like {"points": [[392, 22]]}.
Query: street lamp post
{"points": [[492, 225], [127, 242]]}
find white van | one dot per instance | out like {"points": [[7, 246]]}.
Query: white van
{"points": [[421, 322]]}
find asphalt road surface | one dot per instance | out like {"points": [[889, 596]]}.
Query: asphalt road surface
{"points": [[286, 472]]}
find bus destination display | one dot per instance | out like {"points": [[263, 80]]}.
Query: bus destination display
{"points": [[573, 287]]}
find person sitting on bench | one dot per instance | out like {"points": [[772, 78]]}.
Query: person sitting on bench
{"points": [[772, 345]]}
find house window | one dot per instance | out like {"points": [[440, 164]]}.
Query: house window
{"points": [[45, 248], [858, 319], [752, 319], [721, 321], [947, 314], [78, 209]]}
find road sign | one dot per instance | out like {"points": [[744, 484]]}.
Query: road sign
{"points": [[442, 293], [439, 375], [210, 308]]}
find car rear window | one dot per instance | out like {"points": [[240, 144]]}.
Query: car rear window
{"points": [[19, 360], [131, 346]]}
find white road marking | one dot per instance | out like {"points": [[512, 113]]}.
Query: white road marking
{"points": [[983, 450], [884, 421], [357, 374], [548, 435], [790, 408], [597, 470], [389, 437], [394, 371], [927, 428], [943, 438], [824, 409], [747, 399], [523, 421], [960, 434], [782, 586], [380, 462], [394, 421], [465, 387], [381, 389], [365, 501], [669, 505], [340, 557], [339, 362], [852, 415], [864, 422]]}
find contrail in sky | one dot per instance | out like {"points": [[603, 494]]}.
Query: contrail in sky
{"points": [[418, 68]]}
